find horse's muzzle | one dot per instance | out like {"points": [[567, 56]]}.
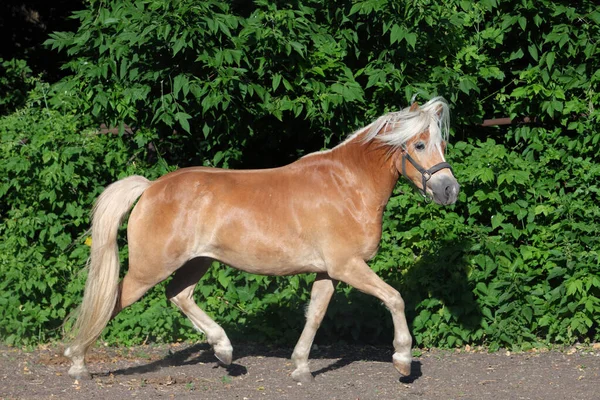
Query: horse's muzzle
{"points": [[444, 189]]}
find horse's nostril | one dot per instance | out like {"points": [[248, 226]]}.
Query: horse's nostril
{"points": [[448, 191], [451, 193]]}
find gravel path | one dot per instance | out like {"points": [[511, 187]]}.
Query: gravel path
{"points": [[342, 372]]}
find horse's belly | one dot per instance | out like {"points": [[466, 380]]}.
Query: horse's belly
{"points": [[269, 262]]}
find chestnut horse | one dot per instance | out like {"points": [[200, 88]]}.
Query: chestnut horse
{"points": [[321, 214]]}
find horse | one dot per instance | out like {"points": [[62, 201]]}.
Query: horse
{"points": [[320, 214]]}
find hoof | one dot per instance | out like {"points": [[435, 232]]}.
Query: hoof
{"points": [[402, 364], [224, 354], [80, 374], [303, 376]]}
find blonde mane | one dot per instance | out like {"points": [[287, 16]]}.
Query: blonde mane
{"points": [[405, 124]]}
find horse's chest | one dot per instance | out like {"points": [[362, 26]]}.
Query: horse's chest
{"points": [[371, 241]]}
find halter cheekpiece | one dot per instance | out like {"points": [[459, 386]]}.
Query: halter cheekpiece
{"points": [[426, 174]]}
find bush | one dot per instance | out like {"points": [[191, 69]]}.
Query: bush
{"points": [[51, 173], [513, 263], [238, 93]]}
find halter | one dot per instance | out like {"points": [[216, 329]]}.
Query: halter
{"points": [[426, 174]]}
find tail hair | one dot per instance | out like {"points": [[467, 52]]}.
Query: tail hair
{"points": [[102, 285]]}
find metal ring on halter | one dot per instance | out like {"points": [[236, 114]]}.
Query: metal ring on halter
{"points": [[426, 174]]}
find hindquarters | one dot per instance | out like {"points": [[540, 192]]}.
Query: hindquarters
{"points": [[163, 229]]}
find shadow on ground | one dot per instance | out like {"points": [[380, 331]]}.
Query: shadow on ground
{"points": [[202, 353]]}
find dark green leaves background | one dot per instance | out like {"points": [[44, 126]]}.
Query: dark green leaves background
{"points": [[257, 84]]}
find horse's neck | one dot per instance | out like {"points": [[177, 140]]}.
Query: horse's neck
{"points": [[373, 163]]}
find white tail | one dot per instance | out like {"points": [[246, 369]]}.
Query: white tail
{"points": [[102, 286]]}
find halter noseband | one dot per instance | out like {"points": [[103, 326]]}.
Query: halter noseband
{"points": [[426, 174]]}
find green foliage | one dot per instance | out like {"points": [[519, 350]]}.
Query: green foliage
{"points": [[51, 172], [513, 263], [206, 71]]}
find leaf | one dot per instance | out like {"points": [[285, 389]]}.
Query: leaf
{"points": [[109, 21], [533, 52], [527, 313], [123, 69], [276, 80], [595, 16], [497, 220], [183, 118], [376, 77], [300, 48], [557, 105], [397, 34], [482, 288], [550, 59], [515, 55], [411, 39], [178, 45], [245, 294], [487, 175], [573, 287], [355, 8], [487, 313], [467, 84], [217, 158], [224, 277], [319, 71], [178, 83]]}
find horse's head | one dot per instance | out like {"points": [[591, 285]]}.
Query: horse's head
{"points": [[421, 158]]}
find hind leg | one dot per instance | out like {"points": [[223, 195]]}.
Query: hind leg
{"points": [[78, 369], [180, 291]]}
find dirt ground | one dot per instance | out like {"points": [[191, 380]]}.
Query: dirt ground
{"points": [[183, 371]]}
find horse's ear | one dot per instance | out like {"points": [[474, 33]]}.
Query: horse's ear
{"points": [[439, 110], [414, 107]]}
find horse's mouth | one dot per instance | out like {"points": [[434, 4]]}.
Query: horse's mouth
{"points": [[444, 190]]}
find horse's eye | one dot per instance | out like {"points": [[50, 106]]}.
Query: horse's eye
{"points": [[420, 146]]}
